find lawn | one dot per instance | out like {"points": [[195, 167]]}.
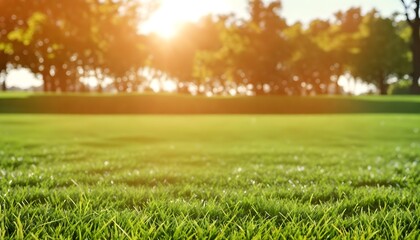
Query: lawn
{"points": [[221, 176]]}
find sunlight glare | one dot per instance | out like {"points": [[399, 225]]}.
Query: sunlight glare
{"points": [[169, 86], [23, 78], [171, 15], [155, 85]]}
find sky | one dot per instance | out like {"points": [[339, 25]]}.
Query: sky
{"points": [[305, 10], [173, 13]]}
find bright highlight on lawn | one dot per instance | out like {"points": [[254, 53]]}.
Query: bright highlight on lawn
{"points": [[210, 177]]}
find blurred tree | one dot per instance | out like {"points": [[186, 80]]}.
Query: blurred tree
{"points": [[263, 63], [323, 52], [310, 64], [32, 48], [252, 51], [219, 62], [401, 87], [49, 38], [16, 34], [121, 49], [412, 13], [342, 41], [176, 56], [382, 52], [3, 67], [69, 40]]}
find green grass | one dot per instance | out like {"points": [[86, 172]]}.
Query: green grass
{"points": [[200, 177]]}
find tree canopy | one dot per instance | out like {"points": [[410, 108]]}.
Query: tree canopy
{"points": [[70, 40]]}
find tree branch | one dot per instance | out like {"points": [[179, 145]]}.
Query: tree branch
{"points": [[406, 12]]}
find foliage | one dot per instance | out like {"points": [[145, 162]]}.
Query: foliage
{"points": [[64, 46], [260, 54], [381, 54], [401, 87], [412, 13], [176, 56]]}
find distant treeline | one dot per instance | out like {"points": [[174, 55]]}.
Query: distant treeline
{"points": [[69, 41]]}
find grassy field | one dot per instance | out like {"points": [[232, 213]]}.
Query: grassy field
{"points": [[196, 177]]}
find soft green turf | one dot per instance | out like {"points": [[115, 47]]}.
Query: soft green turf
{"points": [[137, 177]]}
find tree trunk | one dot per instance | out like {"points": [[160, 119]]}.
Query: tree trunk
{"points": [[383, 87], [117, 84], [53, 85], [3, 69], [45, 86], [62, 81], [63, 85], [99, 88], [415, 88], [337, 87], [46, 82], [4, 85]]}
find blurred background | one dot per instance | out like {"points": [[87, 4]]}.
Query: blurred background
{"points": [[211, 47]]}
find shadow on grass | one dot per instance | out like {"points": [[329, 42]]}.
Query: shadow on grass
{"points": [[178, 104]]}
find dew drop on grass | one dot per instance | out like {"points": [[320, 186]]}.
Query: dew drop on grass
{"points": [[301, 168], [292, 183]]}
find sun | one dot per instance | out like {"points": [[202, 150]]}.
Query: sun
{"points": [[165, 30], [165, 22], [172, 14]]}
